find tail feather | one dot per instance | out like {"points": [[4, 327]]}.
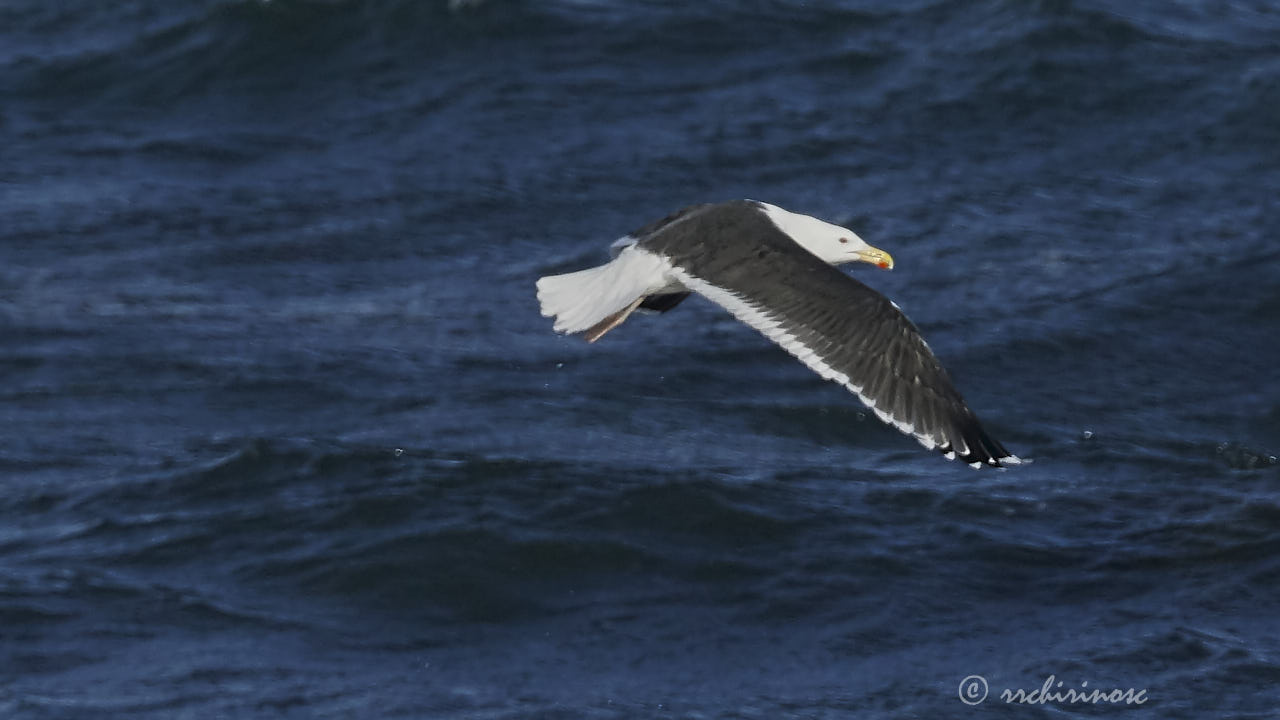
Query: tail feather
{"points": [[581, 300]]}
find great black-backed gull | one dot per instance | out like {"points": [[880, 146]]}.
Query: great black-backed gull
{"points": [[773, 270]]}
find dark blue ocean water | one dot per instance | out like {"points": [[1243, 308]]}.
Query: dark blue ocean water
{"points": [[284, 435]]}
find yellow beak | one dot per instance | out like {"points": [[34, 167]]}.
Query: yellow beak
{"points": [[876, 257]]}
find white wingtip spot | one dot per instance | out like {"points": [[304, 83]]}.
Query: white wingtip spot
{"points": [[975, 465]]}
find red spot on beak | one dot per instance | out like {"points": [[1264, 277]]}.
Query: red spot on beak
{"points": [[883, 265]]}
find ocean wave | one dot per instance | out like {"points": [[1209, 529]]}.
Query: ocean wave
{"points": [[232, 44], [504, 537], [250, 47]]}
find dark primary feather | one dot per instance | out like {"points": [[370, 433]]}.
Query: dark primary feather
{"points": [[851, 328]]}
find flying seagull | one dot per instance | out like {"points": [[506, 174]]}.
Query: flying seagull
{"points": [[773, 270]]}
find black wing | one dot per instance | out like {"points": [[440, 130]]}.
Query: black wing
{"points": [[840, 328]]}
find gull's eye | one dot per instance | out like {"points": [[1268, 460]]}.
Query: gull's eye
{"points": [[844, 240]]}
